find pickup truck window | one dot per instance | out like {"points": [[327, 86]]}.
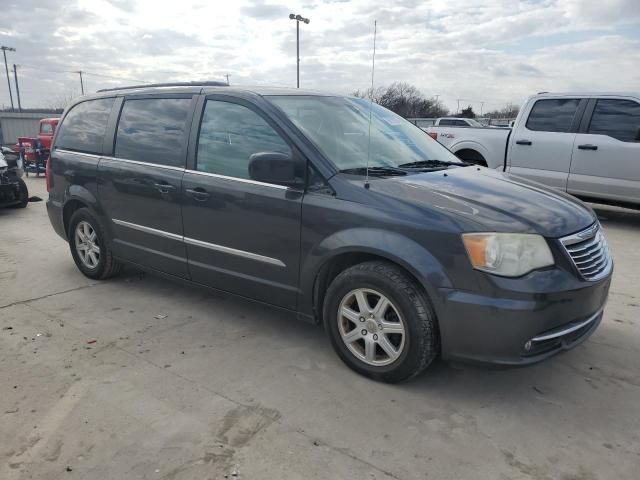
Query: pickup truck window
{"points": [[153, 130], [553, 115], [46, 128], [617, 118], [229, 135], [84, 126]]}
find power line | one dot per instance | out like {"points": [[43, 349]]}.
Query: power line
{"points": [[102, 75]]}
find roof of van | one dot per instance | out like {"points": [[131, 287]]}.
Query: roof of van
{"points": [[206, 87]]}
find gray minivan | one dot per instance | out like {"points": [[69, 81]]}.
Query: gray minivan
{"points": [[334, 209]]}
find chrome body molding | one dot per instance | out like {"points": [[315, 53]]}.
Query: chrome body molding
{"points": [[200, 243], [238, 179], [152, 231], [562, 331]]}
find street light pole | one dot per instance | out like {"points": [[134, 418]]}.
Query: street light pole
{"points": [[81, 82], [15, 77], [298, 19], [6, 68]]}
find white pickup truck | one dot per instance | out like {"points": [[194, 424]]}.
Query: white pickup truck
{"points": [[585, 144]]}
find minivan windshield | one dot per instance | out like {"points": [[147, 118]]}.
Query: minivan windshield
{"points": [[339, 127]]}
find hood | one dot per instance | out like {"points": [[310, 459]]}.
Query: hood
{"points": [[489, 200]]}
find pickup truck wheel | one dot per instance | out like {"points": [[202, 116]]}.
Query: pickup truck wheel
{"points": [[380, 322], [89, 247], [471, 156]]}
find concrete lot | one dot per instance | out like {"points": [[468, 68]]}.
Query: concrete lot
{"points": [[184, 384]]}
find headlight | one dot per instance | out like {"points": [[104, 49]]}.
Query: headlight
{"points": [[507, 254]]}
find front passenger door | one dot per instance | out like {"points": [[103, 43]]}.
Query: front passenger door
{"points": [[241, 235], [541, 149]]}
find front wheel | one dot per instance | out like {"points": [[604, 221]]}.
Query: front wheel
{"points": [[89, 247], [380, 322]]}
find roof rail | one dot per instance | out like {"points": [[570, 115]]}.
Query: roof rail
{"points": [[173, 84]]}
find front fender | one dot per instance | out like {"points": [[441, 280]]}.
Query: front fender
{"points": [[389, 245]]}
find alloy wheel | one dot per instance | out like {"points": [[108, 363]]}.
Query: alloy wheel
{"points": [[371, 327], [86, 240]]}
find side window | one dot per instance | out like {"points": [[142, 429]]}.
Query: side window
{"points": [[553, 115], [229, 135], [617, 118], [46, 128], [460, 123], [84, 126], [445, 122], [153, 130]]}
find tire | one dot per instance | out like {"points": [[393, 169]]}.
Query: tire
{"points": [[24, 194], [409, 310], [105, 265], [472, 157]]}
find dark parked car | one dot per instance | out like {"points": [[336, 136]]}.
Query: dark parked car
{"points": [[265, 193], [13, 190]]}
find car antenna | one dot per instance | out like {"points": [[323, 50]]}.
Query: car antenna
{"points": [[373, 69]]}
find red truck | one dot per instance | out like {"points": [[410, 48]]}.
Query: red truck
{"points": [[46, 130]]}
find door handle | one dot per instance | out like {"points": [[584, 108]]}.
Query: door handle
{"points": [[164, 187], [199, 194], [523, 142], [588, 146]]}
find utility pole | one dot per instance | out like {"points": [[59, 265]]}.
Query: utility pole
{"points": [[227, 75], [481, 107], [15, 78], [458, 110], [298, 19], [81, 83], [6, 68]]}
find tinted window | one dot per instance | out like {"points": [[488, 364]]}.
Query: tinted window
{"points": [[229, 135], [46, 128], [617, 118], [153, 130], [460, 123], [553, 115], [84, 126], [445, 122]]}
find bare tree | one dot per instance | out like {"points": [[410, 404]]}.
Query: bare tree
{"points": [[405, 100], [508, 111]]}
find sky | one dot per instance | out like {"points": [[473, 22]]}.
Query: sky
{"points": [[487, 53]]}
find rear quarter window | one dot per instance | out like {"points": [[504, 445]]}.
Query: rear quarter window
{"points": [[83, 128], [553, 115]]}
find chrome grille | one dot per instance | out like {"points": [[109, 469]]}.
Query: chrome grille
{"points": [[589, 252]]}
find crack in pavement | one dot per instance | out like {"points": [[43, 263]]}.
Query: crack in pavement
{"points": [[24, 302]]}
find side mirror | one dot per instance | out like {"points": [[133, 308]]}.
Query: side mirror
{"points": [[274, 167]]}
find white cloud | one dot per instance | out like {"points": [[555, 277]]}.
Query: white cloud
{"points": [[493, 51]]}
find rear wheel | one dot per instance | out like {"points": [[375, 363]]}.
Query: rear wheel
{"points": [[380, 322], [471, 156], [89, 248]]}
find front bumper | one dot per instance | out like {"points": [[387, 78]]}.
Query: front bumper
{"points": [[519, 328]]}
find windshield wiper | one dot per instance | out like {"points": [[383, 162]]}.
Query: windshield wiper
{"points": [[375, 171], [432, 164]]}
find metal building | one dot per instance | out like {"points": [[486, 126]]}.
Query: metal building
{"points": [[20, 124]]}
